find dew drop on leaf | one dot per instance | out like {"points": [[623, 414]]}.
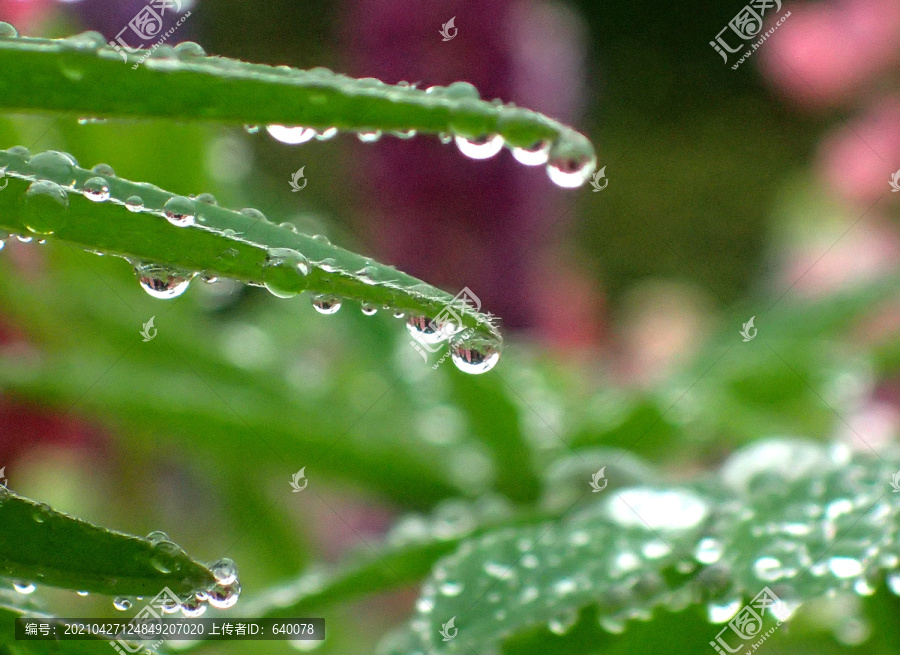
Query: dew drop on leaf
{"points": [[290, 135], [162, 282], [96, 189], [180, 211], [326, 304], [480, 148]]}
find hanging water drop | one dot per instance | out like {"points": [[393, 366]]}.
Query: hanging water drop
{"points": [[83, 593], [368, 309], [134, 204], [571, 162], [122, 604], [475, 355], [285, 272], [330, 133], [251, 129], [96, 189], [290, 135], [398, 314], [162, 282], [484, 147], [369, 137], [193, 607], [536, 155], [224, 596], [180, 211], [24, 587], [326, 304], [423, 330]]}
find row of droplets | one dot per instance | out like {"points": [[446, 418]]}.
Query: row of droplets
{"points": [[565, 167]]}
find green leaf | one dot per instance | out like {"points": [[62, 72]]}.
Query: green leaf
{"points": [[82, 74], [47, 198], [40, 545], [804, 520]]}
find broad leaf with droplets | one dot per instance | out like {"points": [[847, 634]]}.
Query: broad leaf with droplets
{"points": [[83, 74], [41, 546], [798, 517], [170, 239]]}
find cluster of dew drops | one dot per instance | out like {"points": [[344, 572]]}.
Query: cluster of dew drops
{"points": [[284, 272]]}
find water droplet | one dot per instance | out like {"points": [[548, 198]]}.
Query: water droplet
{"points": [[534, 156], [845, 567], [480, 148], [369, 137], [321, 238], [530, 561], [193, 607], [46, 203], [134, 204], [451, 588], [290, 135], [83, 593], [96, 189], [207, 199], [474, 356], [708, 551], [330, 133], [180, 211], [187, 49], [24, 239], [767, 568], [162, 282], [20, 151], [404, 134], [722, 611], [58, 166], [458, 91], [224, 596], [571, 162], [251, 129], [90, 40], [326, 304], [423, 330], [561, 624], [122, 604], [7, 31], [104, 169], [368, 309], [224, 571], [285, 271], [253, 213], [398, 314], [163, 51], [24, 587], [564, 587]]}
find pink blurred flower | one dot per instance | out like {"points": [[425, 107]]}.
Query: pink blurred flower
{"points": [[827, 50]]}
